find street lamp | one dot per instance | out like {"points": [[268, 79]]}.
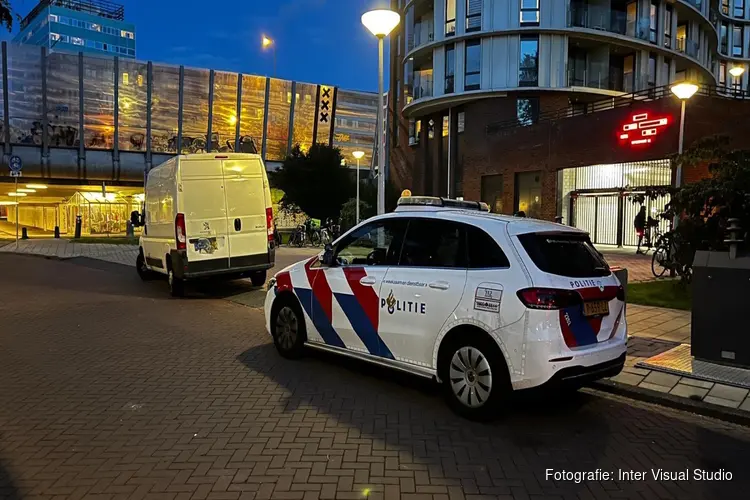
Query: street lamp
{"points": [[380, 23], [737, 72], [683, 91], [267, 42], [358, 155]]}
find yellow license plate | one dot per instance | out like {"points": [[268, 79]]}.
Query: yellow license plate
{"points": [[596, 308]]}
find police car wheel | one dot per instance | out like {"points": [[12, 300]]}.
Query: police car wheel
{"points": [[288, 329], [475, 379]]}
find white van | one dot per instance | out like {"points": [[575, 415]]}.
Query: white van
{"points": [[205, 215]]}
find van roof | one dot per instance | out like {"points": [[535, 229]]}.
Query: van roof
{"points": [[217, 155]]}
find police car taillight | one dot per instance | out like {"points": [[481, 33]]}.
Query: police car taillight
{"points": [[179, 232], [548, 298]]}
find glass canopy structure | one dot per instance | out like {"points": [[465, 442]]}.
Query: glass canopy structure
{"points": [[56, 100]]}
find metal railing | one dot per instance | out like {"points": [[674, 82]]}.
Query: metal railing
{"points": [[422, 88], [595, 79], [626, 100], [611, 21]]}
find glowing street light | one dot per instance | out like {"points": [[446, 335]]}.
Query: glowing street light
{"points": [[267, 42], [381, 22], [358, 155], [685, 90], [737, 71], [36, 186]]}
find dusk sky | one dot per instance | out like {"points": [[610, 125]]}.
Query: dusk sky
{"points": [[318, 41]]}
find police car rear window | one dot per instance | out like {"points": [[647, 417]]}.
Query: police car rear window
{"points": [[564, 254]]}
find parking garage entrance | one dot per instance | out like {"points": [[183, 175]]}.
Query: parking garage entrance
{"points": [[600, 199]]}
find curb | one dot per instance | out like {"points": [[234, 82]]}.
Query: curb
{"points": [[671, 401], [48, 257]]}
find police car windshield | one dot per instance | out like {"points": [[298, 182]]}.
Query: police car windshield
{"points": [[565, 254]]}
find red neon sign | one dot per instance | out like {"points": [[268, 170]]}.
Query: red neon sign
{"points": [[642, 129]]}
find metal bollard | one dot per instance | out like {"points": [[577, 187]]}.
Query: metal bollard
{"points": [[57, 232], [24, 234], [79, 223]]}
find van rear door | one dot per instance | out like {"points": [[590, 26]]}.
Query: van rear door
{"points": [[246, 211], [201, 188]]}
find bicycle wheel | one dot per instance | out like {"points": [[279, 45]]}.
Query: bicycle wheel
{"points": [[300, 241], [292, 239], [315, 239], [659, 261]]}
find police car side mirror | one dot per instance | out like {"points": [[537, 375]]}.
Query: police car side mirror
{"points": [[327, 258]]}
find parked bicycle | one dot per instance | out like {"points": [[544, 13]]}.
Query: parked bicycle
{"points": [[666, 255], [298, 238]]}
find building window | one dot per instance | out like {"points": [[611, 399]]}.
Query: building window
{"points": [[450, 17], [528, 194], [725, 7], [54, 37], [723, 73], [724, 39], [652, 70], [450, 68], [529, 12], [77, 41], [473, 15], [414, 129], [431, 129], [461, 122], [529, 67], [739, 8], [668, 27], [472, 76], [96, 27], [527, 110], [492, 192], [127, 34], [737, 41], [53, 18], [653, 21]]}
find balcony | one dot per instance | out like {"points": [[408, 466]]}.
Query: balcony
{"points": [[422, 86], [422, 37], [611, 21], [598, 79], [688, 47]]}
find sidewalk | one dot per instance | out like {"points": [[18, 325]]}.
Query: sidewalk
{"points": [[67, 249]]}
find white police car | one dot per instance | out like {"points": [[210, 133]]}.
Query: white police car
{"points": [[483, 303]]}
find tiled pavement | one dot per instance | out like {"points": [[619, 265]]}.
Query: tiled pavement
{"points": [[653, 330], [112, 390]]}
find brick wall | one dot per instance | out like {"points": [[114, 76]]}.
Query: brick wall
{"points": [[578, 141]]}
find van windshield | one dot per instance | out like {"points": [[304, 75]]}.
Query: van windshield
{"points": [[565, 254]]}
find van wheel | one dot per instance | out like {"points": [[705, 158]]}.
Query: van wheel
{"points": [[258, 278], [475, 378], [176, 285], [288, 328], [143, 271]]}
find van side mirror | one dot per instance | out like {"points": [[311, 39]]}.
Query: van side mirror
{"points": [[327, 258]]}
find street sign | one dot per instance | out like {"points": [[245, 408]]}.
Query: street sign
{"points": [[15, 163], [15, 173]]}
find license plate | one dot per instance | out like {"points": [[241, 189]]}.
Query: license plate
{"points": [[596, 308]]}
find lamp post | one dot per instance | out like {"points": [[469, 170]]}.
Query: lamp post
{"points": [[683, 91], [380, 23], [737, 72], [267, 42], [358, 155]]}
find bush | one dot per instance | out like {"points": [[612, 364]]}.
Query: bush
{"points": [[349, 214]]}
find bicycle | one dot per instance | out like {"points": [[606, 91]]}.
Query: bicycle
{"points": [[298, 237], [665, 258]]}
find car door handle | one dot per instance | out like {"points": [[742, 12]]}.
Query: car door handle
{"points": [[368, 281], [439, 285], [237, 224]]}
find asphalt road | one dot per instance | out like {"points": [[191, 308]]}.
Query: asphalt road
{"points": [[109, 388]]}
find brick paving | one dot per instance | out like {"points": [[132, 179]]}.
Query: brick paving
{"points": [[110, 389]]}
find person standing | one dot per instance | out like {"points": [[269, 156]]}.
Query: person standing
{"points": [[640, 226]]}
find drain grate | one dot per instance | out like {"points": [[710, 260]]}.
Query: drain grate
{"points": [[679, 361]]}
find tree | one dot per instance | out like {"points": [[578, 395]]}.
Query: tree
{"points": [[6, 14], [349, 213], [315, 181], [706, 206]]}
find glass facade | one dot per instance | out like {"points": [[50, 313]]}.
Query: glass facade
{"points": [[125, 87]]}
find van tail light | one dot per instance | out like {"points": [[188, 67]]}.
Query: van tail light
{"points": [[548, 298], [269, 223], [179, 232]]}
